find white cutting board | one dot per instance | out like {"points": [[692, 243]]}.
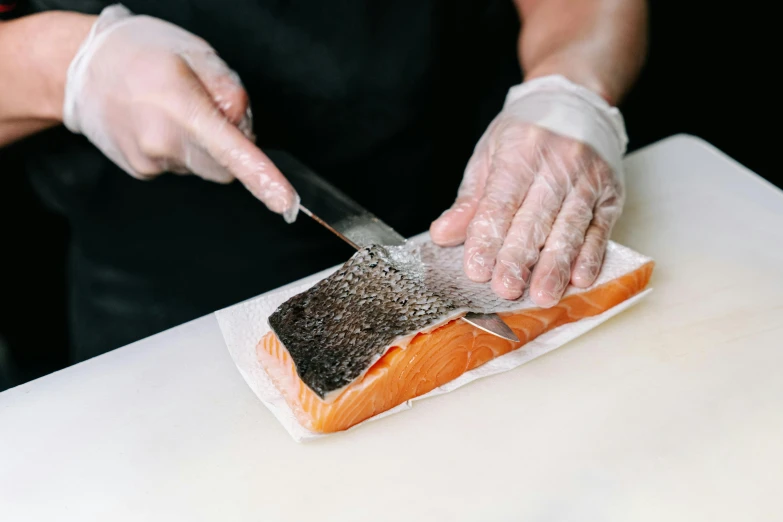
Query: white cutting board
{"points": [[669, 411]]}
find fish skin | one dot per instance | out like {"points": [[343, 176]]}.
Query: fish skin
{"points": [[339, 328]]}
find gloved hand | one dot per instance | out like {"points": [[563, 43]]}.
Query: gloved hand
{"points": [[541, 192], [155, 98]]}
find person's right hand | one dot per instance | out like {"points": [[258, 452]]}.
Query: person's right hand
{"points": [[155, 98]]}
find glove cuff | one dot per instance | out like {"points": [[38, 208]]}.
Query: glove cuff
{"points": [[566, 108], [75, 75]]}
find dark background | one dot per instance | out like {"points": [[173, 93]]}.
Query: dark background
{"points": [[709, 73]]}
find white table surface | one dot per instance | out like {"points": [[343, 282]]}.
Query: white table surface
{"points": [[672, 410]]}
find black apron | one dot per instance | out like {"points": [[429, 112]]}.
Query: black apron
{"points": [[385, 99]]}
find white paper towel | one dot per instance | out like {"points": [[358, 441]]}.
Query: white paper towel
{"points": [[245, 323]]}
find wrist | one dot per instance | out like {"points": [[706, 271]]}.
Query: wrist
{"points": [[584, 77], [54, 48]]}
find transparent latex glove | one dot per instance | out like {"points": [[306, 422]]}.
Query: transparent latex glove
{"points": [[541, 192], [155, 98]]}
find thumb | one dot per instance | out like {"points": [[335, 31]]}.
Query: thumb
{"points": [[450, 229]]}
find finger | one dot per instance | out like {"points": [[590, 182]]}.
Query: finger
{"points": [[209, 130], [591, 256], [224, 86], [167, 146], [451, 227], [513, 165], [198, 161], [553, 271], [530, 228], [511, 176]]}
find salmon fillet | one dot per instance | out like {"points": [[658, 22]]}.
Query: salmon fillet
{"points": [[422, 362]]}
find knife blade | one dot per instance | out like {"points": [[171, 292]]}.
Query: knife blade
{"points": [[358, 227]]}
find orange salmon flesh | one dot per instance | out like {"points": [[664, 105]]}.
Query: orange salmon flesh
{"points": [[428, 360]]}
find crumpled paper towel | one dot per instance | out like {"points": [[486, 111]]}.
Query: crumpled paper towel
{"points": [[244, 324]]}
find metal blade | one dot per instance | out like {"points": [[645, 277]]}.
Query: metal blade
{"points": [[491, 323], [333, 209], [328, 226], [341, 215]]}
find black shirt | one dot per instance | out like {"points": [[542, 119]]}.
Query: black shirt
{"points": [[385, 99]]}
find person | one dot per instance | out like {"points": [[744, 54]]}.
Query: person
{"points": [[150, 126]]}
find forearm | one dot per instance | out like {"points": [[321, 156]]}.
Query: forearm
{"points": [[600, 44], [35, 52]]}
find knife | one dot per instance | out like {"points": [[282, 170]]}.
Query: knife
{"points": [[356, 226]]}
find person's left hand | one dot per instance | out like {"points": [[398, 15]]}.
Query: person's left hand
{"points": [[534, 208]]}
